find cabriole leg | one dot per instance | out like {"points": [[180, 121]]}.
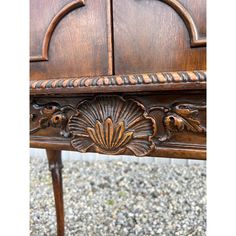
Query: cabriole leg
{"points": [[55, 166]]}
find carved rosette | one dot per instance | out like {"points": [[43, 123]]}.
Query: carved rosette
{"points": [[111, 125]]}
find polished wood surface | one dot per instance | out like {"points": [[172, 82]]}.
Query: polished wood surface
{"points": [[180, 80], [178, 123], [150, 36], [117, 77], [55, 166], [80, 44]]}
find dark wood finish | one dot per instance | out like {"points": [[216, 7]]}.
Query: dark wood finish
{"points": [[197, 152], [110, 123], [182, 80], [117, 77], [55, 166], [151, 35], [71, 39], [54, 22], [197, 9]]}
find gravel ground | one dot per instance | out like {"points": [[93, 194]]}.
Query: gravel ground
{"points": [[121, 198]]}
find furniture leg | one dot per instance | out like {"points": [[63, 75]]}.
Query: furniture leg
{"points": [[55, 166]]}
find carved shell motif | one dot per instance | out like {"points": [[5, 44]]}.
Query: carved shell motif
{"points": [[111, 125]]}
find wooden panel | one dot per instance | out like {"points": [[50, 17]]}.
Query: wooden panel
{"points": [[41, 14], [149, 35], [197, 10], [80, 42]]}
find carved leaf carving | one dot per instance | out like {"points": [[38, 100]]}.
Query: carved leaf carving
{"points": [[180, 117], [52, 115], [112, 124], [189, 114]]}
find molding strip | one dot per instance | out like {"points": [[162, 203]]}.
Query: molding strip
{"points": [[182, 80], [173, 152]]}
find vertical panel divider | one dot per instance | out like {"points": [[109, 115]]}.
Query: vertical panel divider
{"points": [[110, 35]]}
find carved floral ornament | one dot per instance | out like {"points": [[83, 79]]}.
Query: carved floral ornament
{"points": [[113, 125]]}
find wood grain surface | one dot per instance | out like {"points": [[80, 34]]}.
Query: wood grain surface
{"points": [[150, 36], [117, 77], [80, 44]]}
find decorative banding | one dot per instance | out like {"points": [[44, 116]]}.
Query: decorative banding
{"points": [[33, 84], [183, 77], [82, 82], [54, 83], [87, 83], [147, 79], [169, 77], [39, 84], [194, 77], [161, 78], [99, 82], [119, 80], [153, 77], [75, 83], [132, 80], [65, 82], [201, 76], [106, 81], [176, 77], [43, 85]]}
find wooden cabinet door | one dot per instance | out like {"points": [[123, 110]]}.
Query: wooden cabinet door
{"points": [[70, 38], [159, 35]]}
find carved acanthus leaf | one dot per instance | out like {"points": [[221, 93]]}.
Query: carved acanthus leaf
{"points": [[52, 114], [180, 117]]}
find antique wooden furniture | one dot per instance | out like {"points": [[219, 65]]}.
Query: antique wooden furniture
{"points": [[117, 77]]}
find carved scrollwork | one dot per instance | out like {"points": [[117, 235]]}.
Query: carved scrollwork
{"points": [[52, 114], [111, 125], [185, 117], [114, 125], [180, 117]]}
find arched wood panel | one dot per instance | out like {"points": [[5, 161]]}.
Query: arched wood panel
{"points": [[158, 35], [43, 56], [197, 9], [70, 39]]}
